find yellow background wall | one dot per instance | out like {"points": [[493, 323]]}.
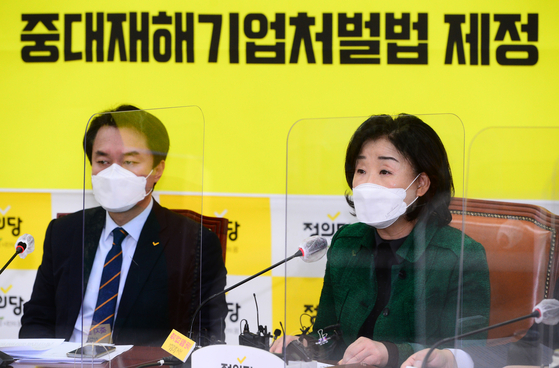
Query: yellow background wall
{"points": [[249, 108]]}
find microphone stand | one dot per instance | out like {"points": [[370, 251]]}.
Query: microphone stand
{"points": [[5, 359], [19, 249], [299, 253], [534, 314]]}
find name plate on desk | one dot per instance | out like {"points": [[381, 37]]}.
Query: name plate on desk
{"points": [[234, 356]]}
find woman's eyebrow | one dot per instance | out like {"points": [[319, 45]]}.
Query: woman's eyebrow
{"points": [[387, 158]]}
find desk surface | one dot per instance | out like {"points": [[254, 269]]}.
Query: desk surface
{"points": [[132, 358]]}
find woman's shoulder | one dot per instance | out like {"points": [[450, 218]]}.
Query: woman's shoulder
{"points": [[356, 230], [449, 237], [352, 236], [347, 243]]}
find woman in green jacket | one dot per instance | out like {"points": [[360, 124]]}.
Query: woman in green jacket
{"points": [[392, 279]]}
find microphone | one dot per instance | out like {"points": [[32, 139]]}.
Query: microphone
{"points": [[25, 244], [277, 333], [547, 311], [311, 249]]}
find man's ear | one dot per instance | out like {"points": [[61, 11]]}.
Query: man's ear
{"points": [[158, 170], [423, 184]]}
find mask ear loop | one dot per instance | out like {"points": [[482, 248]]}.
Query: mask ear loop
{"points": [[151, 190], [413, 181], [412, 202]]}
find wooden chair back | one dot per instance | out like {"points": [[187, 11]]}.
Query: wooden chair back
{"points": [[219, 225]]}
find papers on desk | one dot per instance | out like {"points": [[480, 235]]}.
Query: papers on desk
{"points": [[50, 351], [313, 364]]}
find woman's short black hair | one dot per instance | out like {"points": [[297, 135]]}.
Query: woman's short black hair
{"points": [[142, 121], [424, 150]]}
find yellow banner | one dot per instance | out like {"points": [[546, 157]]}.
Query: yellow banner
{"points": [[256, 69]]}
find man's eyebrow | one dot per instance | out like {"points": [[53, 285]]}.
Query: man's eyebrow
{"points": [[132, 153], [105, 154]]}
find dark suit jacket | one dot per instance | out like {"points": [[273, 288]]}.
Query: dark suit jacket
{"points": [[168, 278]]}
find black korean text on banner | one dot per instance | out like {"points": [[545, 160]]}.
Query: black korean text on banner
{"points": [[326, 229], [359, 38], [11, 223], [14, 302], [515, 40]]}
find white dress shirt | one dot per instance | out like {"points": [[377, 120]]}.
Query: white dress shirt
{"points": [[133, 228]]}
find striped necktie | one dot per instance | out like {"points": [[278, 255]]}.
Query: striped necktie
{"points": [[103, 316]]}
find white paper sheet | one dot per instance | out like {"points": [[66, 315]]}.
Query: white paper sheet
{"points": [[50, 351]]}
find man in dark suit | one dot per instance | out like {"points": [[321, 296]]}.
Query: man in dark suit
{"points": [[145, 268]]}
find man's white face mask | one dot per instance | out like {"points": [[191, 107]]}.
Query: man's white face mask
{"points": [[117, 189], [379, 206]]}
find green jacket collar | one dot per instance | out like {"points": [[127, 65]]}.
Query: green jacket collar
{"points": [[412, 248]]}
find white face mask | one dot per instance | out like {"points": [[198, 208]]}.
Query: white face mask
{"points": [[117, 189], [379, 206]]}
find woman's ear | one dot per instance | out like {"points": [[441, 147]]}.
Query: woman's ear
{"points": [[423, 184]]}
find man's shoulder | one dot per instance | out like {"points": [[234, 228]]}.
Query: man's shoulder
{"points": [[80, 217], [172, 218], [180, 225]]}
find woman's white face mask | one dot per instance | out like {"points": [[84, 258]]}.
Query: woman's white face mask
{"points": [[117, 189], [379, 206]]}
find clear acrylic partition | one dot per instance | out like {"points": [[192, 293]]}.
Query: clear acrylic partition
{"points": [[512, 190], [163, 287], [315, 205]]}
